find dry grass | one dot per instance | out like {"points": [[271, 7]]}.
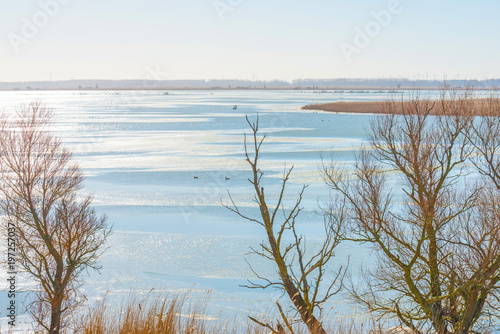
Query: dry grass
{"points": [[146, 314], [160, 314], [380, 107]]}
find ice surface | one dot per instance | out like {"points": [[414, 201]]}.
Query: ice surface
{"points": [[141, 152]]}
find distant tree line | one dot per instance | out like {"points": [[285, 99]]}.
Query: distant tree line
{"points": [[362, 83]]}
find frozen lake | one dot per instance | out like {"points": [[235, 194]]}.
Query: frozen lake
{"points": [[140, 152]]}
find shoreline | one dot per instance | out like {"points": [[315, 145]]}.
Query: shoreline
{"points": [[320, 90]]}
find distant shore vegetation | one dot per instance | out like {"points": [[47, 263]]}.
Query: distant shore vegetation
{"points": [[228, 84], [403, 107]]}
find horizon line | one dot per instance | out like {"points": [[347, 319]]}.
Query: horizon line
{"points": [[262, 80]]}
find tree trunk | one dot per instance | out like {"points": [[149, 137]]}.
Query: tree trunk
{"points": [[55, 313], [55, 320], [313, 325]]}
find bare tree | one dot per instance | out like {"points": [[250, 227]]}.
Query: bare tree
{"points": [[59, 235], [301, 277], [438, 239]]}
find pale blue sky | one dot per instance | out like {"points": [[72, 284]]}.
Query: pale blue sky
{"points": [[265, 39]]}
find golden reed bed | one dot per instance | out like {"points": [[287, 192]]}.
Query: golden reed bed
{"points": [[480, 106]]}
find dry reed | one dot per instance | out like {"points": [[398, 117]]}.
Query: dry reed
{"points": [[379, 107], [157, 313]]}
